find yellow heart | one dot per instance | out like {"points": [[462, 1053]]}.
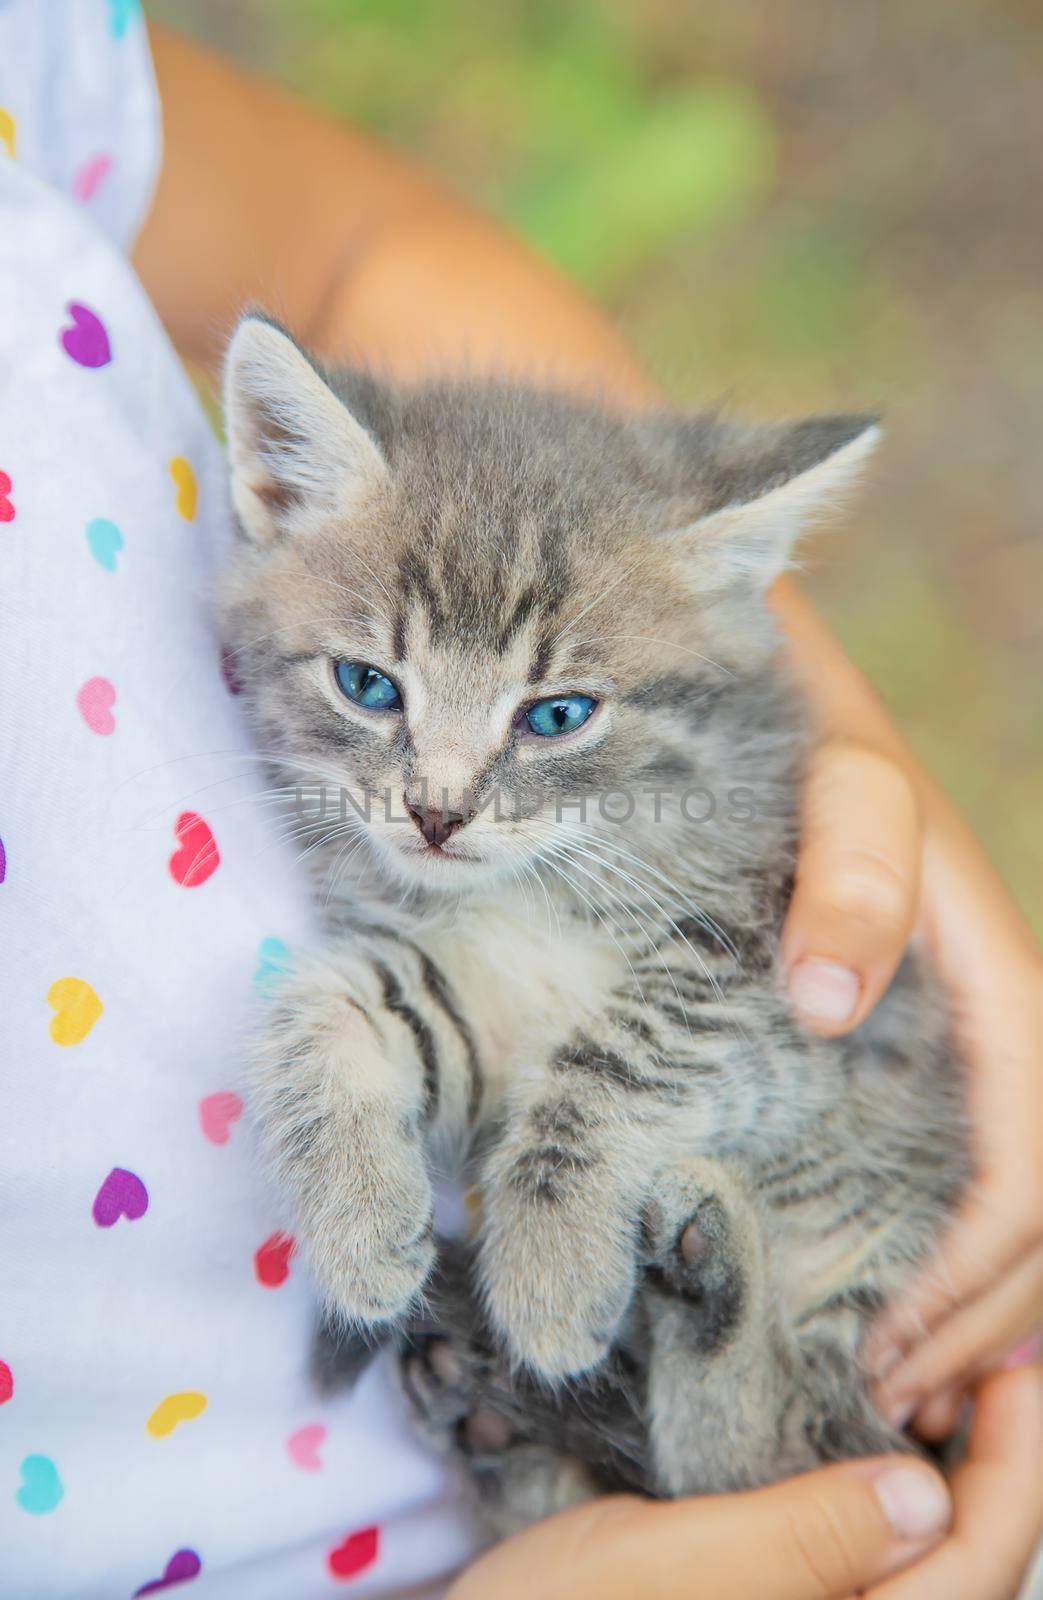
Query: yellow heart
{"points": [[7, 131], [174, 1409], [185, 483], [77, 1009]]}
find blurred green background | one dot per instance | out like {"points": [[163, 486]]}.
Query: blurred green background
{"points": [[789, 205]]}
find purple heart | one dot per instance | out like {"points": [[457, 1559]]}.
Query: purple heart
{"points": [[121, 1195], [86, 341], [183, 1564]]}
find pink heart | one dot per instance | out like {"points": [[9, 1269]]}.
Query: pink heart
{"points": [[304, 1445], [96, 700], [86, 341], [217, 1112], [121, 1195], [198, 858], [90, 175]]}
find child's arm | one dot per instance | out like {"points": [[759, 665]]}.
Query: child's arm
{"points": [[365, 255], [362, 253]]}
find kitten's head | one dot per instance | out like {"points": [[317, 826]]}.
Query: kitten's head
{"points": [[473, 602]]}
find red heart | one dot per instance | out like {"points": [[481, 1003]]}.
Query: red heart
{"points": [[355, 1554], [198, 857], [6, 1382], [6, 505], [272, 1260]]}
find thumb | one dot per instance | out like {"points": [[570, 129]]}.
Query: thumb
{"points": [[826, 1535], [856, 888]]}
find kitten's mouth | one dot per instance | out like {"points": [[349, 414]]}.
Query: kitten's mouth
{"points": [[436, 854]]}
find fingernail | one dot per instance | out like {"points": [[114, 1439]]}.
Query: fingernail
{"points": [[824, 990], [915, 1504], [1025, 1354]]}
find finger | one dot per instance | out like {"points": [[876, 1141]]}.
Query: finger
{"points": [[998, 1495], [982, 1245], [977, 1336], [938, 1416], [857, 884], [824, 1536]]}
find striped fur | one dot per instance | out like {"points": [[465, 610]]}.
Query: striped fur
{"points": [[690, 1207]]}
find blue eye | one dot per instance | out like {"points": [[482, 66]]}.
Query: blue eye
{"points": [[563, 713], [367, 687]]}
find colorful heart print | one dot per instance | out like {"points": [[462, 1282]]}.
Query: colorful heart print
{"points": [[3, 861], [77, 1008], [42, 1488], [7, 511], [197, 857], [89, 178], [104, 541], [183, 1565], [7, 131], [95, 700], [273, 959], [121, 1195], [6, 1383], [217, 1112], [187, 496], [303, 1447], [355, 1553], [87, 341], [121, 15], [272, 1260], [175, 1408]]}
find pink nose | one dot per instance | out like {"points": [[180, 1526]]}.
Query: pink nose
{"points": [[435, 824]]}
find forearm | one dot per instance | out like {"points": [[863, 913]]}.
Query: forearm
{"points": [[360, 251]]}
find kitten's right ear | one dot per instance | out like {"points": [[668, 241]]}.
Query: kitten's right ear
{"points": [[298, 456]]}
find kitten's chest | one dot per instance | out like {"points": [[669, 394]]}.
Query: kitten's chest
{"points": [[526, 984]]}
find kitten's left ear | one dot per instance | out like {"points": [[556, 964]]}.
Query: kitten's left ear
{"points": [[299, 457], [766, 486]]}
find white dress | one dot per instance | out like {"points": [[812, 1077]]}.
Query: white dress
{"points": [[157, 1426]]}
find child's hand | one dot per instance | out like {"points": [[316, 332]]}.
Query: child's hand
{"points": [[825, 1536], [884, 853], [828, 1535], [982, 1298]]}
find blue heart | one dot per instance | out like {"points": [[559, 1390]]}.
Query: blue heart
{"points": [[105, 541], [41, 1486], [273, 960], [121, 14]]}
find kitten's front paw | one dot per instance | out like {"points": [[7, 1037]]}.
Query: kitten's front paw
{"points": [[556, 1286], [370, 1236], [347, 1147]]}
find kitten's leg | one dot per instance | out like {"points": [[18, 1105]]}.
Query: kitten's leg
{"points": [[562, 1190], [527, 1451], [365, 1057], [736, 1396], [664, 1069]]}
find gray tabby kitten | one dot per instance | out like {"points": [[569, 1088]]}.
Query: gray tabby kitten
{"points": [[534, 633]]}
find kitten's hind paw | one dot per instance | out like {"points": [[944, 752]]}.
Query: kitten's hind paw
{"points": [[697, 1258]]}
